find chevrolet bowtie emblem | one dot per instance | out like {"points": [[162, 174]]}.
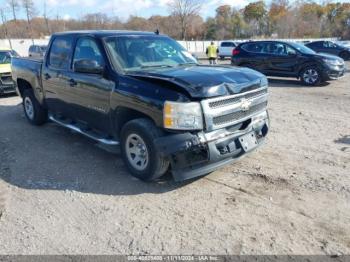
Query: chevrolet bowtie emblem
{"points": [[245, 104]]}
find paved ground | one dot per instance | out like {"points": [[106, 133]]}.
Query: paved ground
{"points": [[60, 193]]}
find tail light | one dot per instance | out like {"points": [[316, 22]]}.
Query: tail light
{"points": [[235, 52]]}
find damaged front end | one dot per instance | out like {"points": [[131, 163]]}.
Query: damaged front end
{"points": [[234, 125]]}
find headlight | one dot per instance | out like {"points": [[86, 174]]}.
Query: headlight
{"points": [[333, 62], [182, 116]]}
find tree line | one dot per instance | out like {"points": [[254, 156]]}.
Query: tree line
{"points": [[278, 19]]}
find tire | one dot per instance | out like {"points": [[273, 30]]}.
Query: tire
{"points": [[345, 55], [139, 152], [34, 112], [311, 76]]}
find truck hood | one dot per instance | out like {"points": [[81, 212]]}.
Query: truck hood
{"points": [[206, 81], [5, 68]]}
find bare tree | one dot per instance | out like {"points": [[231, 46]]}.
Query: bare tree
{"points": [[30, 11], [46, 19], [185, 10], [14, 6], [4, 27]]}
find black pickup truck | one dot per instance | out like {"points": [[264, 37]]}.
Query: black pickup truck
{"points": [[144, 93]]}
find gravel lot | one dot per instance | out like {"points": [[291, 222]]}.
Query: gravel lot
{"points": [[60, 193]]}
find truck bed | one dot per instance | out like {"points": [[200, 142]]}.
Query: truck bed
{"points": [[27, 69]]}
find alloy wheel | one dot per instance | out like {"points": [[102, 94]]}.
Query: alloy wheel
{"points": [[137, 152], [310, 76], [29, 108]]}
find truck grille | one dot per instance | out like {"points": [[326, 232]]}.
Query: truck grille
{"points": [[232, 117], [226, 111], [233, 100]]}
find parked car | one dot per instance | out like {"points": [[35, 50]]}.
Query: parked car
{"points": [[37, 50], [225, 49], [6, 83], [330, 47], [287, 59], [145, 93]]}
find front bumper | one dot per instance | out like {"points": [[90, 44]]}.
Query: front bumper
{"points": [[196, 154], [7, 89], [6, 84], [334, 72]]}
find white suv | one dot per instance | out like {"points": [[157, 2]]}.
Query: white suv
{"points": [[225, 49]]}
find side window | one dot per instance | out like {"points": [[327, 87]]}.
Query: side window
{"points": [[327, 44], [290, 51], [60, 51], [31, 48], [277, 49], [227, 44], [252, 47], [87, 48]]}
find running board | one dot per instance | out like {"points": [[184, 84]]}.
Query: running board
{"points": [[88, 134]]}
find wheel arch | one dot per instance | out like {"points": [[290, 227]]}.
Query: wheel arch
{"points": [[309, 64], [122, 115], [22, 85]]}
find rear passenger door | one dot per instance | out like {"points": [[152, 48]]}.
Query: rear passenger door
{"points": [[54, 74], [256, 56]]}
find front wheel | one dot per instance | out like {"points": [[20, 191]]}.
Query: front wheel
{"points": [[311, 76], [139, 152], [345, 56]]}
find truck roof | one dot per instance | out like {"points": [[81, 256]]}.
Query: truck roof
{"points": [[104, 33]]}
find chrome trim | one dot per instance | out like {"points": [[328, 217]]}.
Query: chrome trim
{"points": [[105, 141], [261, 118], [241, 106]]}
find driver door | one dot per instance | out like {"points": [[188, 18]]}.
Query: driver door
{"points": [[90, 93], [282, 59]]}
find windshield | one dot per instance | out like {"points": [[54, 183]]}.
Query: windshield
{"points": [[5, 57], [133, 53], [303, 49]]}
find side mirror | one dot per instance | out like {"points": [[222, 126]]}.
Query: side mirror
{"points": [[87, 66]]}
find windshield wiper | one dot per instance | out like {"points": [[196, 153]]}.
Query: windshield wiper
{"points": [[150, 66]]}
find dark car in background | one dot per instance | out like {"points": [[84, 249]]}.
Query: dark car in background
{"points": [[288, 59], [330, 47], [37, 50]]}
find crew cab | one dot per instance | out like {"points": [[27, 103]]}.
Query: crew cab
{"points": [[144, 93], [288, 59]]}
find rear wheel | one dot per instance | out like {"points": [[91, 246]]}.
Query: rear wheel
{"points": [[311, 76], [139, 152], [34, 112]]}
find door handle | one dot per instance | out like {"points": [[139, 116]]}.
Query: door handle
{"points": [[47, 76], [72, 82]]}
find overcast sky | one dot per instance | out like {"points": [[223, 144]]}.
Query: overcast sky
{"points": [[122, 8]]}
